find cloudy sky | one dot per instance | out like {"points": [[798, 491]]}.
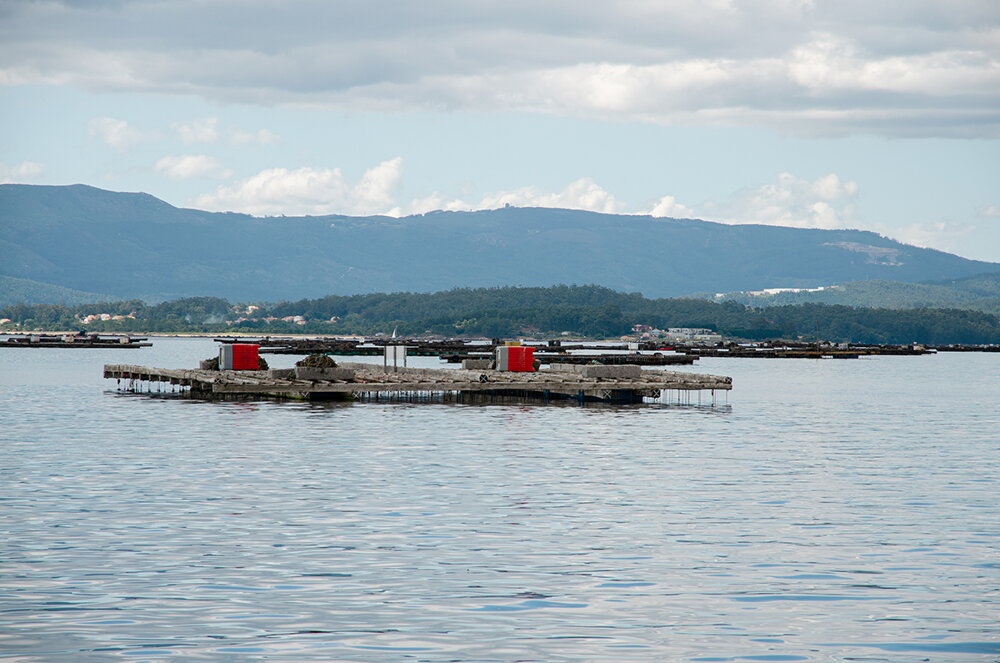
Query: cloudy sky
{"points": [[878, 115]]}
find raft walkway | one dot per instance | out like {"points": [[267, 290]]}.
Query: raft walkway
{"points": [[114, 342], [370, 381]]}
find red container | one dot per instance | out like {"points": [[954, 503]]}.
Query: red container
{"points": [[244, 357], [520, 359]]}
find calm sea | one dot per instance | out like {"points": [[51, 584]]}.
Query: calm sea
{"points": [[832, 510]]}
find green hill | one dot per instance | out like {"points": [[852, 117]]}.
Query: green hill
{"points": [[133, 245]]}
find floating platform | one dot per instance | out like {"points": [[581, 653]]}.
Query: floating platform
{"points": [[772, 353], [74, 341], [610, 384], [654, 353], [356, 348], [965, 348], [657, 359], [801, 351]]}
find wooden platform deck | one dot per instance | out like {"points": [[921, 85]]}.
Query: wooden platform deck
{"points": [[369, 380], [113, 342], [607, 359]]}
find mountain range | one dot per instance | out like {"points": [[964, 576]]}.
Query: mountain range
{"points": [[133, 245]]}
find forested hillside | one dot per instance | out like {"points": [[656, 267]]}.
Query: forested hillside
{"points": [[135, 246], [589, 311]]}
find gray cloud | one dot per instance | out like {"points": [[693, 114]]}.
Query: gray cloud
{"points": [[898, 67]]}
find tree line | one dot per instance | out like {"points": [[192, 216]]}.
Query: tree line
{"points": [[589, 311]]}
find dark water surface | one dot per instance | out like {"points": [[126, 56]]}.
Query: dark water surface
{"points": [[832, 511]]}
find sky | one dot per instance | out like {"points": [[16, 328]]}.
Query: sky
{"points": [[881, 116]]}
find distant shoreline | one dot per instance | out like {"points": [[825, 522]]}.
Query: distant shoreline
{"points": [[180, 334]]}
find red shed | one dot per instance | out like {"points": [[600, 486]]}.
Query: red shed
{"points": [[517, 358], [239, 356]]}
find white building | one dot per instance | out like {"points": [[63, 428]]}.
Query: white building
{"points": [[693, 334]]}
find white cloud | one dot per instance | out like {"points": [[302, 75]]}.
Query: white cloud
{"points": [[187, 166], [259, 137], [433, 202], [25, 170], [309, 191], [376, 188], [116, 133], [826, 202], [202, 130], [584, 194], [667, 206], [894, 67], [990, 212], [830, 63]]}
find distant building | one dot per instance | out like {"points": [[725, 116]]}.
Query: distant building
{"points": [[95, 317], [692, 334], [648, 333]]}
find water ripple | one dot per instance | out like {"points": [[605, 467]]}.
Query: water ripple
{"points": [[813, 519]]}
